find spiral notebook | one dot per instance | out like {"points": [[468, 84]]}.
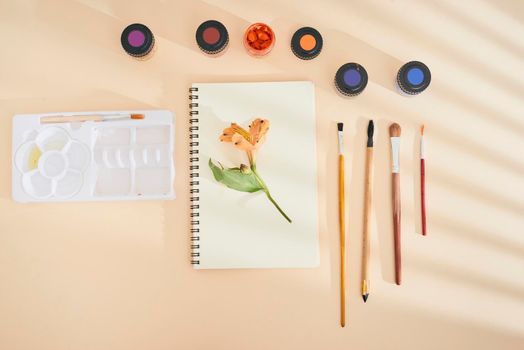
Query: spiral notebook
{"points": [[233, 229]]}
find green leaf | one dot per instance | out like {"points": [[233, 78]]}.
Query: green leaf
{"points": [[235, 178]]}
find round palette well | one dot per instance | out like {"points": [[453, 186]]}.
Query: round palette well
{"points": [[27, 156], [52, 164], [212, 37], [37, 185], [52, 139], [70, 184], [351, 79], [306, 43], [78, 156], [413, 77], [137, 40]]}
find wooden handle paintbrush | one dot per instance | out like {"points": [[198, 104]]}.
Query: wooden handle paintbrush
{"points": [[368, 192], [394, 133], [422, 181], [342, 224], [89, 118]]}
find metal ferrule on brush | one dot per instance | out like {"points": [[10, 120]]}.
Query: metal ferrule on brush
{"points": [[422, 148], [395, 154], [340, 142], [340, 138]]}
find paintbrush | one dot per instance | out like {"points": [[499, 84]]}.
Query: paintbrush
{"points": [[342, 224], [394, 133], [89, 118], [368, 191], [422, 181]]}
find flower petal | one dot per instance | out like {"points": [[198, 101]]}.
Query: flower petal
{"points": [[226, 137], [240, 130], [258, 130], [227, 134], [241, 143]]}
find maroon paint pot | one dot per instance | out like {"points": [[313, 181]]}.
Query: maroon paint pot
{"points": [[212, 37]]}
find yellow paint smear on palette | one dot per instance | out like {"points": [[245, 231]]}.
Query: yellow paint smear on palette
{"points": [[34, 156]]}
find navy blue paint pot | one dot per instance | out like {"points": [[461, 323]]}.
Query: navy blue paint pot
{"points": [[413, 77], [351, 79]]}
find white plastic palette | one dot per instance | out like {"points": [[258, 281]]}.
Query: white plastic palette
{"points": [[87, 161]]}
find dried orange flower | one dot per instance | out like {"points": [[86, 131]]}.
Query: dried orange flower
{"points": [[244, 178], [247, 141]]}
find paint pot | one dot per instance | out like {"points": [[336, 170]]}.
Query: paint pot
{"points": [[212, 37], [306, 43], [137, 40], [259, 39], [351, 79], [413, 78]]}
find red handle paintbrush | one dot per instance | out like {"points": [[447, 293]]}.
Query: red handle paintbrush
{"points": [[394, 133], [422, 181]]}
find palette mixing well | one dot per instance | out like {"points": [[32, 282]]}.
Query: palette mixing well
{"points": [[122, 159]]}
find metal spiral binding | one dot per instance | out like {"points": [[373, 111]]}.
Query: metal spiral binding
{"points": [[194, 175]]}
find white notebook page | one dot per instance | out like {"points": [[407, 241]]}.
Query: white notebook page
{"points": [[244, 230]]}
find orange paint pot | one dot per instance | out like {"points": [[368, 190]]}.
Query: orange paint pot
{"points": [[306, 43], [259, 39]]}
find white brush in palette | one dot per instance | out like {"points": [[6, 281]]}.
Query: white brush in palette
{"points": [[93, 156]]}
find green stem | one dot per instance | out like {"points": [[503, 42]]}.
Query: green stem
{"points": [[266, 191], [277, 206]]}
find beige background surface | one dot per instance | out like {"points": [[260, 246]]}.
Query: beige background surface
{"points": [[117, 276]]}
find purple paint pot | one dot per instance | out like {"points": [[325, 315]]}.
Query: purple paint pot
{"points": [[137, 40], [351, 79]]}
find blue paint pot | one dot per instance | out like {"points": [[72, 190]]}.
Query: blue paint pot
{"points": [[413, 77]]}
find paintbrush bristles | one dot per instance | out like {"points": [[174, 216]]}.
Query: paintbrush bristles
{"points": [[422, 130], [340, 126], [137, 116], [371, 131], [394, 130]]}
